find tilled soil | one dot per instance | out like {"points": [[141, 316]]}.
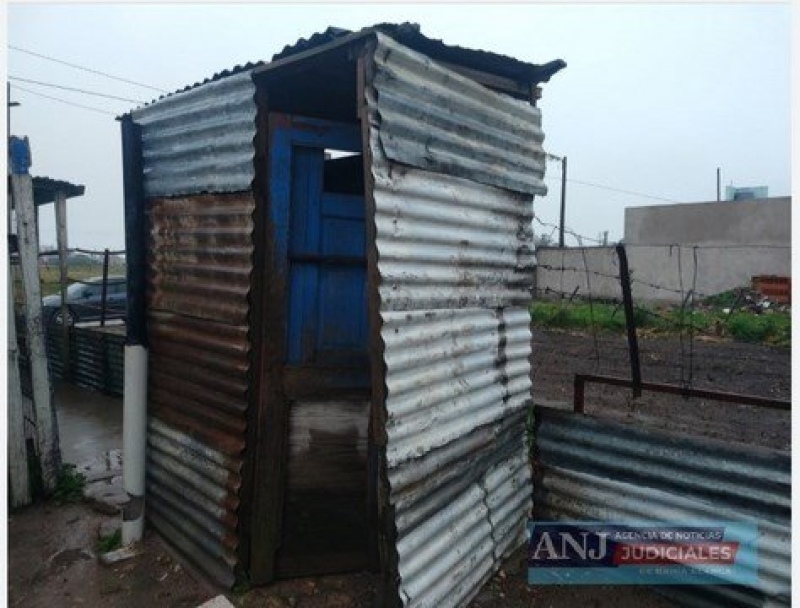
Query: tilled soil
{"points": [[720, 365]]}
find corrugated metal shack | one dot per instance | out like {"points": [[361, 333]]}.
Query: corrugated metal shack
{"points": [[333, 257]]}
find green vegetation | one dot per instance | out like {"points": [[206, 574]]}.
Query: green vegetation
{"points": [[69, 487], [109, 543], [50, 275], [768, 327]]}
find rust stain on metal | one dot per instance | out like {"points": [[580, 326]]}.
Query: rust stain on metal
{"points": [[199, 270]]}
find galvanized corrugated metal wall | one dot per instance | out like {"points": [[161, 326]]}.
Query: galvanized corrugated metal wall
{"points": [[95, 357], [198, 164], [200, 140], [596, 470], [455, 259], [435, 119]]}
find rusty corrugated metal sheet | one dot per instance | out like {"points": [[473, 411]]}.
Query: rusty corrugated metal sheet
{"points": [[199, 272], [200, 140], [597, 470], [434, 119], [456, 267]]}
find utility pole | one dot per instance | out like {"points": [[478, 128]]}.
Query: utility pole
{"points": [[563, 201], [718, 186]]}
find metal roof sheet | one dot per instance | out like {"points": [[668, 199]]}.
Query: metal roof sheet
{"points": [[408, 34], [46, 188]]}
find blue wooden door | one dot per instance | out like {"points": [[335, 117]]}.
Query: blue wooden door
{"points": [[326, 296], [316, 211]]}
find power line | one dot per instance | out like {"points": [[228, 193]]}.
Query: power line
{"points": [[85, 69], [622, 190], [69, 103], [65, 88], [567, 230]]}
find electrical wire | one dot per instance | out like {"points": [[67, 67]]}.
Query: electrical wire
{"points": [[76, 90], [85, 69], [69, 103], [612, 189]]}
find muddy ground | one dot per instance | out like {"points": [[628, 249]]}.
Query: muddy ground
{"points": [[708, 363], [52, 548]]}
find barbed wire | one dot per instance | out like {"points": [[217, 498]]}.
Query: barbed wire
{"points": [[567, 230], [615, 277]]}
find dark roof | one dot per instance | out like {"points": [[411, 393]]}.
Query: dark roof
{"points": [[45, 189], [408, 34]]}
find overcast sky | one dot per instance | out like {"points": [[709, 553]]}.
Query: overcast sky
{"points": [[654, 98]]}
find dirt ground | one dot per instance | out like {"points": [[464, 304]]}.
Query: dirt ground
{"points": [[713, 364], [52, 548], [52, 564]]}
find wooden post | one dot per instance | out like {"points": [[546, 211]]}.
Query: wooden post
{"points": [[46, 423], [17, 449], [61, 236]]}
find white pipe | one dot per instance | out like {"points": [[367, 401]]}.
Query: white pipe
{"points": [[134, 439]]}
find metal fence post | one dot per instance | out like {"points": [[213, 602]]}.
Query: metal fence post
{"points": [[633, 342], [105, 290]]}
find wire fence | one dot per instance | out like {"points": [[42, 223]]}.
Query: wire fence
{"points": [[689, 309], [101, 271]]}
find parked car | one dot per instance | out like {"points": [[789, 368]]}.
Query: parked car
{"points": [[84, 301]]}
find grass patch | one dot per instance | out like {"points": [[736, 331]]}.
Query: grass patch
{"points": [[773, 328], [769, 327], [109, 543], [70, 484]]}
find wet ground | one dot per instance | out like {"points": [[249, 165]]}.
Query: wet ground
{"points": [[90, 423], [53, 548]]}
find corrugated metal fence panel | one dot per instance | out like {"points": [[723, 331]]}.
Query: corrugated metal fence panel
{"points": [[200, 140], [596, 470], [456, 267], [95, 357], [199, 267], [436, 119]]}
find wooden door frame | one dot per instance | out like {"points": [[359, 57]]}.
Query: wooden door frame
{"points": [[271, 416]]}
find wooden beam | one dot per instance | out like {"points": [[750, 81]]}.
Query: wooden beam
{"points": [[61, 236], [46, 423], [17, 450]]}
